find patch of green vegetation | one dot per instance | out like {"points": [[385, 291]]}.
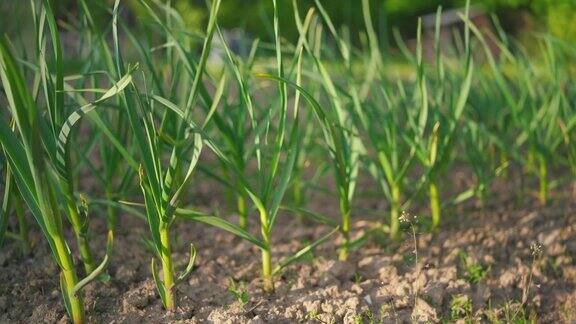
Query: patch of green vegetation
{"points": [[313, 315], [365, 317], [238, 291], [512, 312], [474, 272], [461, 308], [321, 103]]}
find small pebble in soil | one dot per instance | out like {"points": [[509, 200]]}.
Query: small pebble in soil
{"points": [[368, 299]]}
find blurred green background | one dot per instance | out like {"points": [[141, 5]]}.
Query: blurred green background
{"points": [[254, 16]]}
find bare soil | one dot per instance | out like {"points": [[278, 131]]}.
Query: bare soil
{"points": [[479, 267]]}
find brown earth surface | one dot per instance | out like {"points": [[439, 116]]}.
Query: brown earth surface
{"points": [[479, 267]]}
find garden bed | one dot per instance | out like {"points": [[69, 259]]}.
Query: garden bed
{"points": [[479, 271]]}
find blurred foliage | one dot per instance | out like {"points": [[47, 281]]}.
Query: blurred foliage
{"points": [[558, 16], [561, 18], [254, 16]]}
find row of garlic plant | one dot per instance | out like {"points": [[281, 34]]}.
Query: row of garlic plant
{"points": [[431, 119], [154, 125]]}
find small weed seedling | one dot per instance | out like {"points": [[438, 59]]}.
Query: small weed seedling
{"points": [[474, 272], [460, 308], [238, 292]]}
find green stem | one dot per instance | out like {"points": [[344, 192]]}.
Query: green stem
{"points": [[298, 192], [266, 253], [85, 253], [242, 212], [167, 269], [395, 212], [76, 304], [503, 161], [267, 271], [111, 212], [482, 194], [345, 211], [543, 178], [79, 226], [434, 204], [81, 232]]}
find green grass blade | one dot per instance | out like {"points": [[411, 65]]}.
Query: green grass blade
{"points": [[220, 223], [64, 133]]}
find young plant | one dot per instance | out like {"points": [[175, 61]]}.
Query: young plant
{"points": [[269, 197], [541, 118], [57, 113], [474, 272], [393, 153], [442, 108], [238, 291], [343, 145], [178, 134], [36, 151], [535, 103], [267, 192], [163, 189], [480, 145], [461, 308], [451, 92]]}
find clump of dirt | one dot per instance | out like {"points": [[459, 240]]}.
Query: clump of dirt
{"points": [[505, 261]]}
